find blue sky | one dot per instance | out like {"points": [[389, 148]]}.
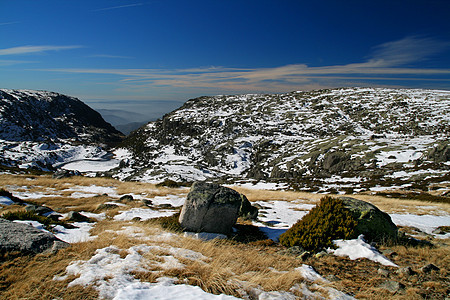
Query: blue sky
{"points": [[146, 55]]}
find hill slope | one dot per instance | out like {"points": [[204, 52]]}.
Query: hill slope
{"points": [[42, 116], [354, 138], [39, 129]]}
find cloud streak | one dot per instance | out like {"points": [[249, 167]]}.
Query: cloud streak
{"points": [[119, 7], [34, 49], [390, 62]]}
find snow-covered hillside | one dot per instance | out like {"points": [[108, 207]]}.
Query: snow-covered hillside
{"points": [[44, 130], [349, 138]]}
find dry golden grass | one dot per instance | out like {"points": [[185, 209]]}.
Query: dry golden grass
{"points": [[229, 267]]}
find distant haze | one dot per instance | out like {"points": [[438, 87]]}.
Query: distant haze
{"points": [[119, 112]]}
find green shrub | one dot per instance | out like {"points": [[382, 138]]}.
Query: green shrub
{"points": [[324, 223]]}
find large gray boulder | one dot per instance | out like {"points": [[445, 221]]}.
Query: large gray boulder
{"points": [[25, 239], [376, 225], [210, 207]]}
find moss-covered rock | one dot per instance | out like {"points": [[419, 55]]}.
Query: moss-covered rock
{"points": [[340, 218], [376, 225]]}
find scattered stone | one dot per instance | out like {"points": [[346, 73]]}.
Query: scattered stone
{"points": [[74, 216], [305, 255], [376, 225], [393, 286], [54, 216], [406, 271], [38, 209], [293, 251], [389, 252], [25, 239], [126, 198], [383, 272], [165, 206], [107, 206], [210, 207], [321, 254], [332, 278], [61, 173], [247, 211], [442, 230], [428, 268], [147, 202]]}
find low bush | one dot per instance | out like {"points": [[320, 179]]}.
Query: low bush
{"points": [[324, 223]]}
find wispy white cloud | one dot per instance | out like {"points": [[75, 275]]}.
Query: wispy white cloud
{"points": [[389, 61], [34, 49], [110, 56], [14, 62], [119, 6], [9, 23], [405, 51]]}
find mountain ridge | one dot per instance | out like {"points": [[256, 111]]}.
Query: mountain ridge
{"points": [[42, 129], [303, 138]]}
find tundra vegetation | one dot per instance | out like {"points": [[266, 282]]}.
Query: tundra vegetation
{"points": [[235, 266]]}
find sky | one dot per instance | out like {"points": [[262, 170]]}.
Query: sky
{"points": [[151, 56]]}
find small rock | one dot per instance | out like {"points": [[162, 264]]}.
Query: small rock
{"points": [[54, 216], [321, 254], [74, 216], [332, 278], [127, 198], [406, 271], [428, 268], [40, 210], [247, 211], [383, 272], [392, 286], [147, 202], [61, 173], [106, 206], [257, 206], [305, 255], [389, 252], [294, 251], [165, 205]]}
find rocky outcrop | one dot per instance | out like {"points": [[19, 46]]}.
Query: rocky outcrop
{"points": [[25, 239], [375, 224], [357, 137], [46, 116], [211, 208]]}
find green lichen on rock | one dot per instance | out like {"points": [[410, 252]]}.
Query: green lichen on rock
{"points": [[340, 218], [376, 225], [324, 223]]}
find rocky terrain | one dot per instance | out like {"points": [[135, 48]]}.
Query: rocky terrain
{"points": [[339, 140], [40, 129]]}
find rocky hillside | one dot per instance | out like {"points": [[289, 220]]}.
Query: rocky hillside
{"points": [[46, 116], [39, 128], [325, 140]]}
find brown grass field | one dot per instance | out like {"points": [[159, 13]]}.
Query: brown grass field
{"points": [[229, 266]]}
